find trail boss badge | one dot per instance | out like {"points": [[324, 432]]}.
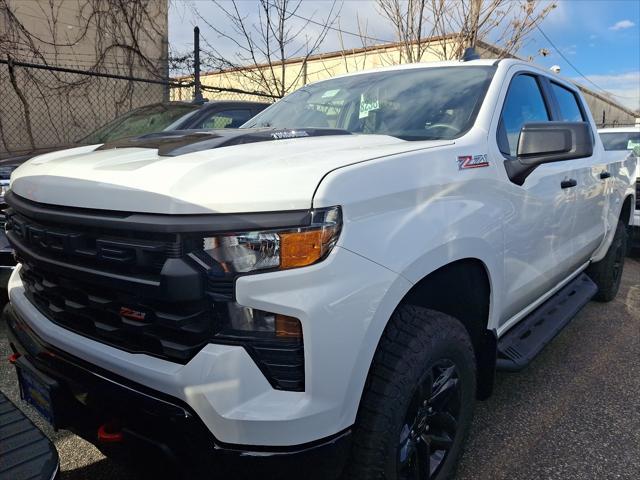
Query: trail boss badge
{"points": [[472, 161]]}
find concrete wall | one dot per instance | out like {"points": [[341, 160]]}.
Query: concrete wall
{"points": [[606, 112], [56, 108]]}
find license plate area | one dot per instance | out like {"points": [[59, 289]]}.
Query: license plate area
{"points": [[37, 390]]}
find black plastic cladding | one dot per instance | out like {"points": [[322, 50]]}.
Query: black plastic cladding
{"points": [[138, 290]]}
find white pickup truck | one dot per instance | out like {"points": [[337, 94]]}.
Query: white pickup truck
{"points": [[325, 291]]}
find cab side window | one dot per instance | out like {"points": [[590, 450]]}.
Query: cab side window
{"points": [[524, 104], [225, 119], [567, 103]]}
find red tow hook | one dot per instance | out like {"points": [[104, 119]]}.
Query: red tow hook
{"points": [[110, 433], [13, 358]]}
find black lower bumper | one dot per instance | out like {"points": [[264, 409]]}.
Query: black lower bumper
{"points": [[155, 426]]}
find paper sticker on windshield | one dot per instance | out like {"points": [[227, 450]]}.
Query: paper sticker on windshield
{"points": [[633, 144], [472, 161], [330, 93], [368, 103]]}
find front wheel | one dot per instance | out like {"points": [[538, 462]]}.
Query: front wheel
{"points": [[418, 402]]}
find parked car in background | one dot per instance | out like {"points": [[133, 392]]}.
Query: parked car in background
{"points": [[626, 139], [148, 119]]}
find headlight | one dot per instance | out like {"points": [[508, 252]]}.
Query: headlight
{"points": [[277, 249]]}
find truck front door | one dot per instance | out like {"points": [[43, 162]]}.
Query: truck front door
{"points": [[539, 223]]}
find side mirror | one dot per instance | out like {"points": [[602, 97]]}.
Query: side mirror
{"points": [[548, 142]]}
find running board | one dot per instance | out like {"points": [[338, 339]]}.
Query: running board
{"points": [[520, 345], [25, 452]]}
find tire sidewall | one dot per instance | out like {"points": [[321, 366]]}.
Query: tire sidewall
{"points": [[443, 346]]}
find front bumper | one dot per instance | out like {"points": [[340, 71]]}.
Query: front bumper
{"points": [[343, 304], [157, 426], [7, 260]]}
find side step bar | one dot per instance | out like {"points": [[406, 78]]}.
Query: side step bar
{"points": [[520, 345]]}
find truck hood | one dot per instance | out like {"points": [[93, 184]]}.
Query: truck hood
{"points": [[228, 173]]}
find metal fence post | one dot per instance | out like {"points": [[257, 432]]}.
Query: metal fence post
{"points": [[197, 89]]}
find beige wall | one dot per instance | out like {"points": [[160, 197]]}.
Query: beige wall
{"points": [[606, 112], [320, 67], [63, 107]]}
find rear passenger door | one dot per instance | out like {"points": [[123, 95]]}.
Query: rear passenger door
{"points": [[591, 176]]}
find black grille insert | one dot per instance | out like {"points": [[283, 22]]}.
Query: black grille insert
{"points": [[175, 331], [95, 248]]}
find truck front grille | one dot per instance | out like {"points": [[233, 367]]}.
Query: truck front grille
{"points": [[175, 331], [137, 289], [132, 291], [94, 248]]}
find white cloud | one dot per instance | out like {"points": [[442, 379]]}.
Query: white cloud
{"points": [[624, 88], [622, 24]]}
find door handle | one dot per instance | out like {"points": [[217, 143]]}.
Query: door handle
{"points": [[569, 183], [604, 175]]}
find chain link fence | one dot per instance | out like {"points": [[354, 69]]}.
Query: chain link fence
{"points": [[45, 106]]}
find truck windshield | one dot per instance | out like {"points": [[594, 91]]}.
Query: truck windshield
{"points": [[413, 104]]}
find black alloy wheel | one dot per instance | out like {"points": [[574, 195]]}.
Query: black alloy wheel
{"points": [[431, 422]]}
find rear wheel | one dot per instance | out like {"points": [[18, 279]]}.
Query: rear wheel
{"points": [[418, 402], [607, 273]]}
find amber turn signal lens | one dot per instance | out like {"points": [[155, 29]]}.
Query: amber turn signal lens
{"points": [[298, 249], [288, 327]]}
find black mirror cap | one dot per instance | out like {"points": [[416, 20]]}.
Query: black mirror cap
{"points": [[547, 142]]}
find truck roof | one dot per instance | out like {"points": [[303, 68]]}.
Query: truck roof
{"points": [[502, 62]]}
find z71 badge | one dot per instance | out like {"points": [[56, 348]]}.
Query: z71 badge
{"points": [[472, 161]]}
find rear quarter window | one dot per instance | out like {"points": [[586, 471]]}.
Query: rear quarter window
{"points": [[568, 104]]}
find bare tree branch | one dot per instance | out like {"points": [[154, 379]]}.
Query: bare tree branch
{"points": [[454, 25], [265, 44]]}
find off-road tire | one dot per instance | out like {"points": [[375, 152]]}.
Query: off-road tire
{"points": [[414, 339], [607, 273]]}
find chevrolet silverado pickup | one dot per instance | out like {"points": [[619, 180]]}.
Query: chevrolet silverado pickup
{"points": [[325, 291]]}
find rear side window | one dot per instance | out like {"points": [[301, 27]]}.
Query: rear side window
{"points": [[524, 104], [568, 103], [620, 140], [225, 119]]}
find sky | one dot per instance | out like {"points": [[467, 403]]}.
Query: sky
{"points": [[599, 38]]}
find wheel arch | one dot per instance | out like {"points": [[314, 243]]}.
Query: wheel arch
{"points": [[463, 290], [626, 213], [467, 285]]}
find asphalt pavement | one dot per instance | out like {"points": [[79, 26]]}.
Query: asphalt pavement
{"points": [[574, 413]]}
